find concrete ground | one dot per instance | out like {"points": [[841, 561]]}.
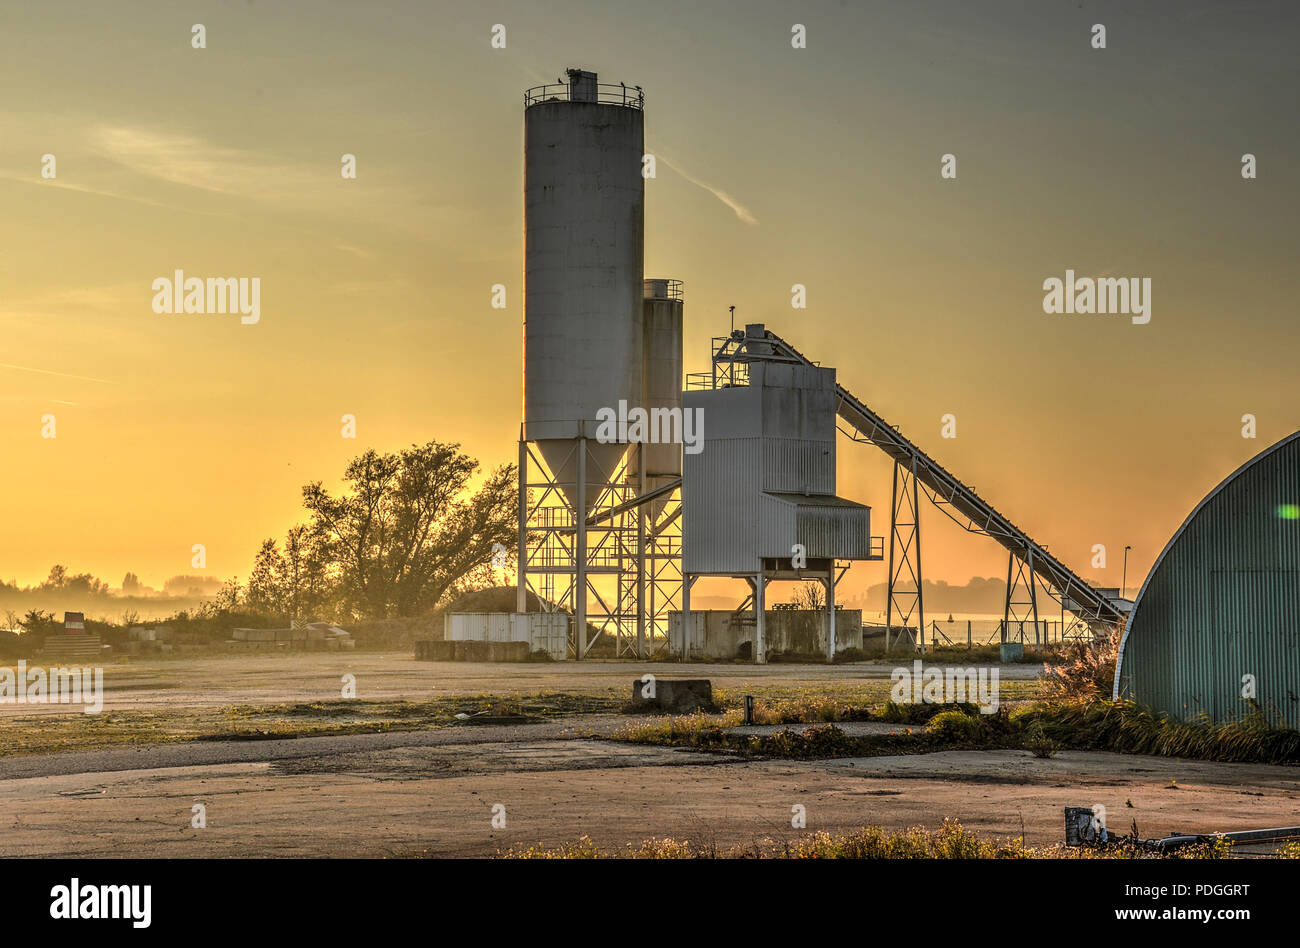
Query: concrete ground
{"points": [[279, 678], [433, 792]]}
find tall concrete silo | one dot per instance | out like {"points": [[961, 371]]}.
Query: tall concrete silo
{"points": [[584, 200], [661, 379]]}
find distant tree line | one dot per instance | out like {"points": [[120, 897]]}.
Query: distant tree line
{"points": [[405, 535], [60, 581]]}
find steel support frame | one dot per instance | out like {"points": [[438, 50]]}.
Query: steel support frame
{"points": [[1020, 577], [905, 554], [1081, 626], [560, 552]]}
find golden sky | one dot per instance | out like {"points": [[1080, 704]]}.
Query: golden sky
{"points": [[777, 166]]}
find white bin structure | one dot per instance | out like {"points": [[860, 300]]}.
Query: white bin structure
{"points": [[543, 631]]}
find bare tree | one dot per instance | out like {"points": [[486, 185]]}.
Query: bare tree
{"points": [[811, 595]]}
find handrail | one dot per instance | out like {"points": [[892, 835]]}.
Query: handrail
{"points": [[607, 93], [672, 288]]}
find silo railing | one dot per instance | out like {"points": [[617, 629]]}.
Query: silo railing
{"points": [[654, 288], [737, 377], [606, 93]]}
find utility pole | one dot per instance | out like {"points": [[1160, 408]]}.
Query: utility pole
{"points": [[1123, 582]]}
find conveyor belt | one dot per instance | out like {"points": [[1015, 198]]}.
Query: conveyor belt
{"points": [[1079, 597]]}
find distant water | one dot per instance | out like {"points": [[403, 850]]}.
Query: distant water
{"points": [[983, 627]]}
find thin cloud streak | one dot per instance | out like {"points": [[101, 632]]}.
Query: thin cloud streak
{"points": [[63, 375], [740, 210]]}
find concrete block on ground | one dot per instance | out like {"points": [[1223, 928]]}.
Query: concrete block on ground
{"points": [[674, 695], [434, 650]]}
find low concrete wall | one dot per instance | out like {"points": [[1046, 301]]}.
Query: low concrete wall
{"points": [[718, 633], [543, 631], [439, 650]]}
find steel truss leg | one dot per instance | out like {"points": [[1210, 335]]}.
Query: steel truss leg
{"points": [[905, 554], [1020, 576]]}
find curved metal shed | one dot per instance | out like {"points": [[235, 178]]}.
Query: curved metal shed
{"points": [[1219, 614]]}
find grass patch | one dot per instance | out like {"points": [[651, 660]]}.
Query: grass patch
{"points": [[1130, 729], [1042, 729], [820, 741], [868, 701], [951, 841], [72, 731]]}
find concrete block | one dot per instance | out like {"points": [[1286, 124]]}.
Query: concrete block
{"points": [[674, 695], [434, 650]]}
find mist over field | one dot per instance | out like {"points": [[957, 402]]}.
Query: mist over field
{"points": [[133, 600]]}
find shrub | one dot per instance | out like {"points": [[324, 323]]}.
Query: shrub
{"points": [[956, 727], [1086, 671], [819, 741], [1038, 743], [910, 713]]}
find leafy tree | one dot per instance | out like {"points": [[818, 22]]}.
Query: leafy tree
{"points": [[265, 591], [191, 585], [295, 584], [225, 602], [38, 621], [405, 533], [308, 576], [86, 584]]}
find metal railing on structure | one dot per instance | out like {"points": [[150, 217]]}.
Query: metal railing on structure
{"points": [[980, 633], [656, 289], [725, 373], [606, 93]]}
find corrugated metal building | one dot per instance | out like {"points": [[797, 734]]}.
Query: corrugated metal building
{"points": [[1218, 617], [763, 486], [765, 479]]}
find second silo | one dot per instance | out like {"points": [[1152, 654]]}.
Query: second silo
{"points": [[584, 199], [661, 378]]}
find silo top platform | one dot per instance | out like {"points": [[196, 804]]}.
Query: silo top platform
{"points": [[583, 87]]}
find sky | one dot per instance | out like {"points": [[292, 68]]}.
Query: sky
{"points": [[818, 166]]}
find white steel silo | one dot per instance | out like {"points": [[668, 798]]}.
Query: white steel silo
{"points": [[584, 199]]}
